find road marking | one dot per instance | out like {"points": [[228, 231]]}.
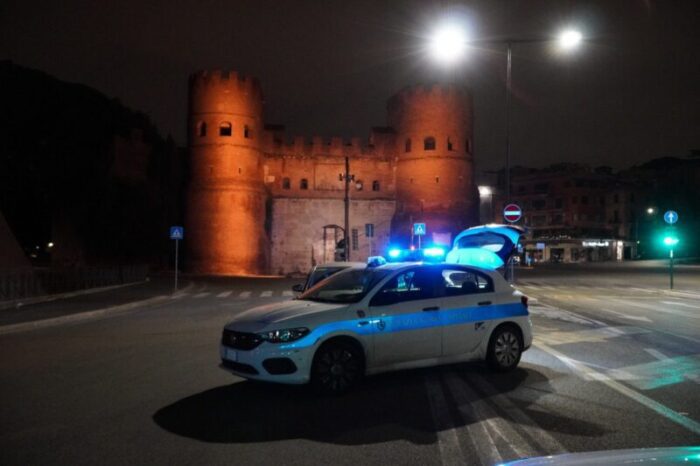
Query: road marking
{"points": [[448, 443], [681, 304], [657, 354], [622, 389], [244, 294], [266, 294], [485, 422], [550, 445], [675, 312], [287, 293], [625, 316], [225, 294], [201, 295]]}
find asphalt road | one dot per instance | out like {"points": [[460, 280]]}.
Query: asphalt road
{"points": [[615, 364]]}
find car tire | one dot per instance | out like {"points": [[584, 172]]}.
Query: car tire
{"points": [[337, 367], [505, 349]]}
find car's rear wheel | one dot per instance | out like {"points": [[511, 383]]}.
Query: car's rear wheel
{"points": [[337, 367], [505, 349]]}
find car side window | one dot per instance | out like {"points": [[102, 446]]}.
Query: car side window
{"points": [[411, 285], [458, 282]]}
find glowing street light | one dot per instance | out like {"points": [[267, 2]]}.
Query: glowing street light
{"points": [[448, 44], [650, 210], [569, 39]]}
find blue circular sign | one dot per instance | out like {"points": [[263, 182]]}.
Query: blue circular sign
{"points": [[671, 217]]}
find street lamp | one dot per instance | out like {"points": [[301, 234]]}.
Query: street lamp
{"points": [[650, 210]]}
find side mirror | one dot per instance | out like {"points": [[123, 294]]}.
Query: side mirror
{"points": [[299, 288]]}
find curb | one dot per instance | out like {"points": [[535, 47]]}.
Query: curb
{"points": [[70, 294], [80, 316]]}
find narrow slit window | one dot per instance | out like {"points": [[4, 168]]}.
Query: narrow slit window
{"points": [[304, 184], [429, 143], [246, 132], [449, 144], [201, 129], [225, 129], [376, 186], [408, 145], [286, 183]]}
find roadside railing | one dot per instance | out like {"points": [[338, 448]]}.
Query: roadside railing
{"points": [[48, 281]]}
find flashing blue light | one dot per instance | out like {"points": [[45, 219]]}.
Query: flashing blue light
{"points": [[394, 253], [434, 252]]}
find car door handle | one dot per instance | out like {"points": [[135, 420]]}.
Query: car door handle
{"points": [[432, 308], [484, 303]]}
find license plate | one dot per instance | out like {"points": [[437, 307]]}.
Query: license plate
{"points": [[231, 355]]}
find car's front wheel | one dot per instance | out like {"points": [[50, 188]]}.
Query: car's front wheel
{"points": [[505, 349], [337, 367]]}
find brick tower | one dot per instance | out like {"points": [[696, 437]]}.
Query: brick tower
{"points": [[434, 172], [226, 199]]}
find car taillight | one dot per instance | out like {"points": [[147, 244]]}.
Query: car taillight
{"points": [[523, 299]]}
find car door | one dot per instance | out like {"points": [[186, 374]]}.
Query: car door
{"points": [[405, 313], [466, 301]]}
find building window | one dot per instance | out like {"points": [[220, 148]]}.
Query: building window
{"points": [[201, 129], [437, 179], [375, 185], [539, 204], [574, 200], [558, 203], [225, 129], [449, 144], [408, 145], [304, 184], [429, 143], [584, 200], [286, 184], [246, 132], [354, 239], [468, 146], [616, 216]]}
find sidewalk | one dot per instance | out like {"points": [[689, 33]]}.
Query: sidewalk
{"points": [[87, 302]]}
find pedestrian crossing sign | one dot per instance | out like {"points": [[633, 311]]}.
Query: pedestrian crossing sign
{"points": [[177, 232], [419, 229]]}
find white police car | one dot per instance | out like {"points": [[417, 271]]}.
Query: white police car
{"points": [[376, 319]]}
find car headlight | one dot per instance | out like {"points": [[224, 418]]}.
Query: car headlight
{"points": [[284, 335]]}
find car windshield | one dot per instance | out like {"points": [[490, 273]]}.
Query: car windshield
{"points": [[321, 273], [349, 286]]}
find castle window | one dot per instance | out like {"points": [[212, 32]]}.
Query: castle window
{"points": [[468, 146], [246, 132], [429, 143], [437, 179], [355, 240], [225, 129], [449, 144], [408, 145], [286, 184], [375, 185], [201, 129], [304, 184]]}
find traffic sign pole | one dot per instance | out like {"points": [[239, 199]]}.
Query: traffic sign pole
{"points": [[177, 242], [176, 233], [670, 266]]}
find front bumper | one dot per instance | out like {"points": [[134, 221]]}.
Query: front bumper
{"points": [[251, 364]]}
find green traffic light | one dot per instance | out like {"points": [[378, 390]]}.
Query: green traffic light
{"points": [[670, 240]]}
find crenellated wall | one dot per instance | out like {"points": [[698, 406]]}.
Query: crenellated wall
{"points": [[258, 200]]}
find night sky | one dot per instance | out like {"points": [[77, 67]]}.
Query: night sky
{"points": [[631, 93]]}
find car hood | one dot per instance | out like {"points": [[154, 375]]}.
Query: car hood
{"points": [[485, 246], [282, 311], [655, 456]]}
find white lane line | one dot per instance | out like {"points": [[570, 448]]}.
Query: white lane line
{"points": [[657, 354], [675, 312], [179, 295], [467, 400], [622, 389], [674, 303], [550, 444], [448, 443], [266, 294], [201, 295], [288, 293], [626, 316], [225, 294], [244, 294]]}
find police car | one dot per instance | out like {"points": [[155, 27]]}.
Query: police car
{"points": [[368, 320]]}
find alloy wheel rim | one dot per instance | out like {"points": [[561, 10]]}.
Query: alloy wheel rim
{"points": [[337, 369], [507, 349]]}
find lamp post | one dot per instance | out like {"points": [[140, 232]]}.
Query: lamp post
{"points": [[347, 178]]}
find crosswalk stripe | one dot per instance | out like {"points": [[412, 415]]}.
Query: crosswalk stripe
{"points": [[201, 295], [266, 294], [224, 294], [244, 294], [676, 312], [287, 293], [674, 303]]}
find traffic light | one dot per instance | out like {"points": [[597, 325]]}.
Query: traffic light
{"points": [[670, 240]]}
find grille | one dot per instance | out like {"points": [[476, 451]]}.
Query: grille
{"points": [[240, 340], [239, 367]]}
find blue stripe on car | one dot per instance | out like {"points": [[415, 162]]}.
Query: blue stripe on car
{"points": [[413, 321]]}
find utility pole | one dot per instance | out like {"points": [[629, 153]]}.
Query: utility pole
{"points": [[347, 177]]}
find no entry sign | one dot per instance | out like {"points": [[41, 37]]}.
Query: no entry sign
{"points": [[512, 213]]}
